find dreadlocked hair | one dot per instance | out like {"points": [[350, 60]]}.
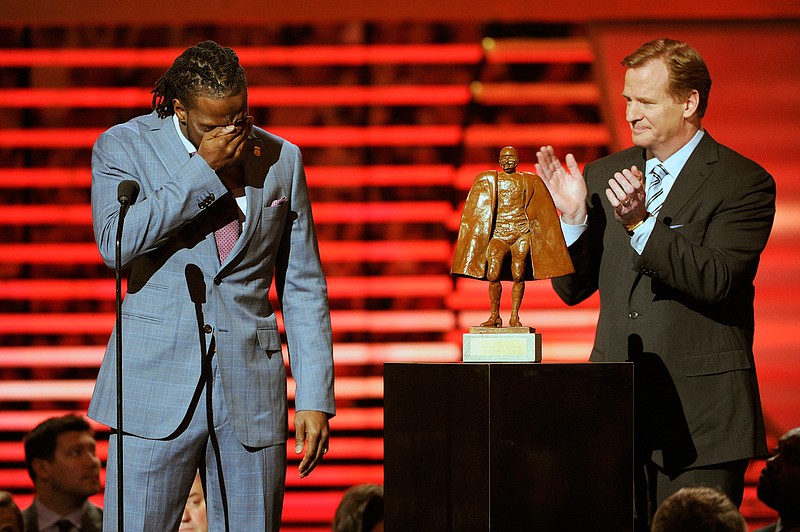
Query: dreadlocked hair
{"points": [[206, 69]]}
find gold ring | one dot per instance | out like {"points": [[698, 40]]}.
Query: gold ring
{"points": [[626, 202]]}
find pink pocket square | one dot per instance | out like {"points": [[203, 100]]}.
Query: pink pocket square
{"points": [[279, 201]]}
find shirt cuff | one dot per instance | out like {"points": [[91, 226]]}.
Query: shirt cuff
{"points": [[642, 234], [573, 232]]}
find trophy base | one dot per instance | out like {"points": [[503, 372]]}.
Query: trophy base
{"points": [[501, 330], [502, 344]]}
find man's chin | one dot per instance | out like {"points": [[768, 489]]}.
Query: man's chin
{"points": [[93, 488], [641, 138], [764, 491]]}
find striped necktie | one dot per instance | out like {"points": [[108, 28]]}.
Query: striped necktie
{"points": [[655, 190]]}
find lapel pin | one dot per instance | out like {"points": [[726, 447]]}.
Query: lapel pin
{"points": [[257, 151]]}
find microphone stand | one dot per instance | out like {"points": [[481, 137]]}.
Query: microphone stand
{"points": [[126, 195]]}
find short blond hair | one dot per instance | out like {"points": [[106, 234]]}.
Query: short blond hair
{"points": [[687, 69]]}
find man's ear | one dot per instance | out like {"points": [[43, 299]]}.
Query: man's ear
{"points": [[42, 468], [180, 111], [691, 105]]}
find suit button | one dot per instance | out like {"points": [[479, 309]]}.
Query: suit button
{"points": [[217, 281], [207, 328], [633, 314], [208, 200]]}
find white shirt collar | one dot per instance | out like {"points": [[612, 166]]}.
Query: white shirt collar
{"points": [[186, 143], [47, 518], [675, 162]]}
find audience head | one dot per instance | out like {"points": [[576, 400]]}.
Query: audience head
{"points": [[194, 513], [779, 484], [698, 509], [361, 510], [61, 459], [10, 515]]}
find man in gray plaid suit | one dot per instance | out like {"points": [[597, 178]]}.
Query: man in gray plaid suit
{"points": [[222, 213]]}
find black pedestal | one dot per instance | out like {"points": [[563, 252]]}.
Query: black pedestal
{"points": [[508, 447]]}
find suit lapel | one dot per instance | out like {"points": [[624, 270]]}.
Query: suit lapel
{"points": [[172, 153], [255, 170], [637, 159], [167, 145], [695, 172]]}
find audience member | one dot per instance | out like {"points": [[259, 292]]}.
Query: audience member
{"points": [[10, 516], [698, 509], [61, 460], [361, 510], [194, 513], [779, 484]]}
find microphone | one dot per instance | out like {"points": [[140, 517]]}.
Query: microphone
{"points": [[197, 293], [196, 284], [127, 191]]}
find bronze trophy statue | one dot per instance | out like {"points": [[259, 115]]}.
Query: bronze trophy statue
{"points": [[509, 213]]}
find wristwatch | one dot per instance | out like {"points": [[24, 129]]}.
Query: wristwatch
{"points": [[631, 228]]}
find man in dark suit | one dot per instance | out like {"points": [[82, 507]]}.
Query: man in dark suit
{"points": [[61, 460], [779, 484], [223, 212], [670, 232]]}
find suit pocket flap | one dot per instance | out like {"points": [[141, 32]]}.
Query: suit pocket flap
{"points": [[716, 362], [269, 338]]}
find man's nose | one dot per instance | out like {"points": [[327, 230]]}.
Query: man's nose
{"points": [[773, 463], [632, 112]]}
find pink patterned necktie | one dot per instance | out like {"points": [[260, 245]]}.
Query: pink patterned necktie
{"points": [[227, 236]]}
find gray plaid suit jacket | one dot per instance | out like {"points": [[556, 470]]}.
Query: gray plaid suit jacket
{"points": [[179, 296]]}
